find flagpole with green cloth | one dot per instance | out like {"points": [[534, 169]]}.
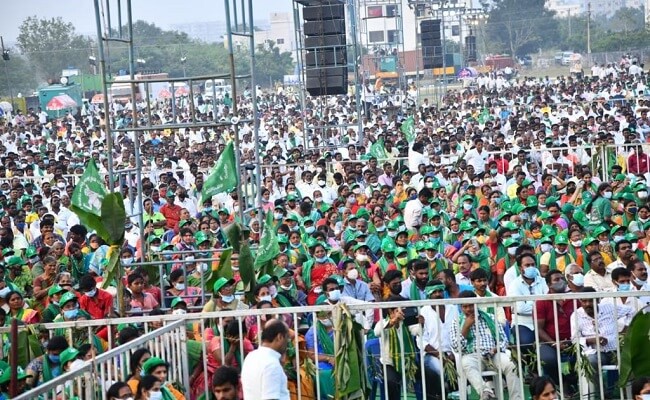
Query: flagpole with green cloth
{"points": [[408, 129], [224, 177]]}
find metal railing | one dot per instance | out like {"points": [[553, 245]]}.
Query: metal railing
{"points": [[92, 380], [169, 343]]}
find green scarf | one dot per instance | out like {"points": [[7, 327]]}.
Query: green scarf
{"points": [[226, 349], [470, 337], [166, 393], [46, 371], [324, 339], [396, 351], [414, 292]]}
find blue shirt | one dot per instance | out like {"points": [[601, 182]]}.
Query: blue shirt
{"points": [[309, 343], [461, 288], [359, 290]]}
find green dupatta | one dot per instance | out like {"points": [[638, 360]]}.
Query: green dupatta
{"points": [[410, 366], [324, 339], [470, 336]]}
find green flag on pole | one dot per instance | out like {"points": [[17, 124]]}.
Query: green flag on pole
{"points": [[378, 151], [224, 177], [269, 247], [88, 195], [484, 116], [408, 129]]}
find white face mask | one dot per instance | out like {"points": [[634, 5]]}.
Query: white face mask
{"points": [[361, 257], [155, 395], [179, 312], [546, 247], [353, 274]]}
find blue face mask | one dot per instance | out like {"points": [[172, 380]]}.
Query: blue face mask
{"points": [[53, 358], [321, 259], [435, 240], [624, 287], [531, 273], [71, 314]]}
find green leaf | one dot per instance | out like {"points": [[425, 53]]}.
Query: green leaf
{"points": [[112, 268], [224, 270], [246, 268], [113, 218], [635, 363], [233, 234]]}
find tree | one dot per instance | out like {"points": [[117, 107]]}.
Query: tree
{"points": [[627, 19], [520, 26], [270, 64], [52, 45], [19, 77]]}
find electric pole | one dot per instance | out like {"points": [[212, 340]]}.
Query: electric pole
{"points": [[589, 31]]}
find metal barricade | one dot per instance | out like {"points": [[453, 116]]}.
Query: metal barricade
{"points": [[93, 379]]}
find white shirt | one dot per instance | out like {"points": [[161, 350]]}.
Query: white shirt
{"points": [[477, 160], [435, 332], [262, 376], [413, 213], [583, 326]]}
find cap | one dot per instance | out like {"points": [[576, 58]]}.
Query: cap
{"points": [[55, 289], [221, 282], [170, 194], [281, 273], [15, 261], [176, 301], [151, 364], [264, 279], [67, 297], [68, 354]]}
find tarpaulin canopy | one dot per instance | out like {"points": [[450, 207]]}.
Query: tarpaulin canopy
{"points": [[61, 102]]}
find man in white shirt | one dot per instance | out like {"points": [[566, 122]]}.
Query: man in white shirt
{"points": [[476, 157], [262, 375], [413, 209]]}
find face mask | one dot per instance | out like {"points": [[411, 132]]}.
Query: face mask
{"points": [[558, 251], [127, 261], [512, 251], [285, 287], [155, 248], [266, 298], [318, 199], [559, 287], [380, 228], [624, 287], [361, 257], [92, 293], [53, 358], [546, 247], [327, 323], [515, 236], [392, 233], [642, 194], [493, 171], [278, 216], [179, 312], [155, 395], [311, 229], [71, 314], [352, 200], [645, 396], [402, 261], [429, 185], [228, 299], [618, 238], [638, 281], [576, 243], [179, 286], [607, 195], [334, 295], [321, 259], [353, 274], [632, 210], [578, 279], [603, 242], [467, 206], [531, 272], [455, 180]]}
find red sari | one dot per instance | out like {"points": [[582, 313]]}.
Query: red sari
{"points": [[319, 272]]}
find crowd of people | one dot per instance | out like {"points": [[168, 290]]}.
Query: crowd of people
{"points": [[519, 187]]}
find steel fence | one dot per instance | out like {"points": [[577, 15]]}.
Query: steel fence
{"points": [[169, 343]]}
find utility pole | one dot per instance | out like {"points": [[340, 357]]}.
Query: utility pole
{"points": [[5, 58], [589, 31], [569, 18]]}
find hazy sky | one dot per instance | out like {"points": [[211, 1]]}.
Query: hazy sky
{"points": [[161, 12]]}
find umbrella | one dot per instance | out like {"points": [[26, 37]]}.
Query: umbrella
{"points": [[60, 102], [97, 99], [164, 94], [6, 106], [467, 72], [182, 91]]}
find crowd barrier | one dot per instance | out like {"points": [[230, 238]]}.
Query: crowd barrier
{"points": [[169, 342]]}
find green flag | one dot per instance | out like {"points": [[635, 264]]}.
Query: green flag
{"points": [[378, 151], [484, 116], [88, 195], [224, 177], [408, 129], [269, 247]]}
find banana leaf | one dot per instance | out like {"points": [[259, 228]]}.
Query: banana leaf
{"points": [[635, 363], [112, 267], [246, 268], [29, 346], [224, 270], [113, 217]]}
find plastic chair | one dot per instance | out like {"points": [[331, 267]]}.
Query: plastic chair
{"points": [[375, 369], [462, 380]]}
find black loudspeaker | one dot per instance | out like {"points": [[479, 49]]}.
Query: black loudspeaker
{"points": [[470, 48], [327, 81], [325, 49], [430, 37]]}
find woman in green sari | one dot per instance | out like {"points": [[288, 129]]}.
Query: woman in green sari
{"points": [[321, 336]]}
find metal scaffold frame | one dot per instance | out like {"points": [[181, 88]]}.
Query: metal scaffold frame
{"points": [[239, 19], [389, 14], [353, 62]]}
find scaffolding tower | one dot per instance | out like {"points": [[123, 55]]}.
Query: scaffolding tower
{"points": [[325, 133], [384, 59], [109, 15]]}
